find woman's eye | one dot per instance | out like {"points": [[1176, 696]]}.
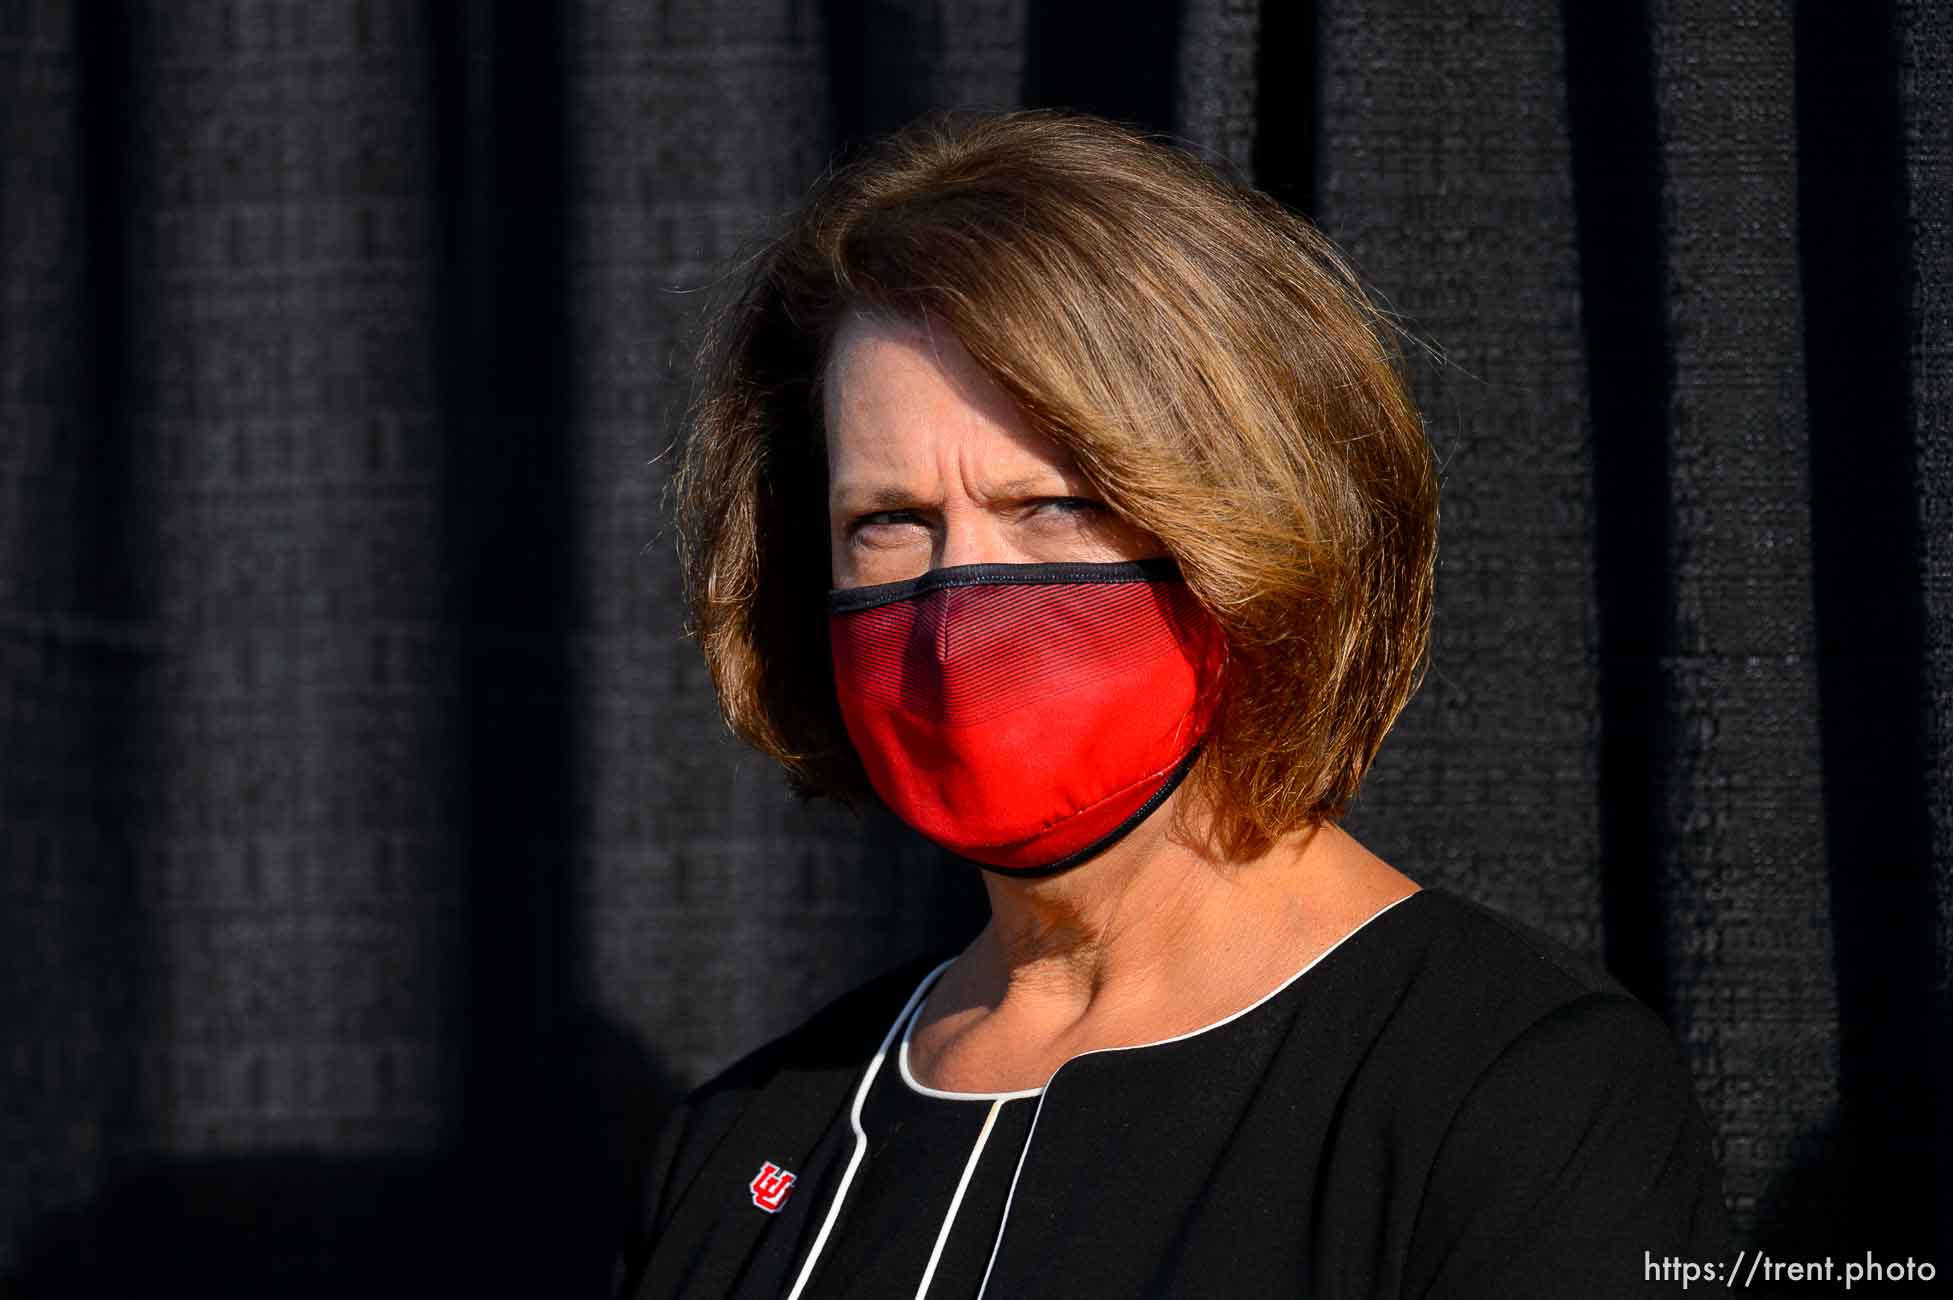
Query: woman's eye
{"points": [[883, 519], [1071, 505]]}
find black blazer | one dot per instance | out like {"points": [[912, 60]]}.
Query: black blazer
{"points": [[1447, 1104]]}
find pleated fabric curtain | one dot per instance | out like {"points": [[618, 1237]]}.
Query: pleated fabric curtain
{"points": [[373, 866]]}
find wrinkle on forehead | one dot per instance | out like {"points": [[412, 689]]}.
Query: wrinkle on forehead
{"points": [[930, 357]]}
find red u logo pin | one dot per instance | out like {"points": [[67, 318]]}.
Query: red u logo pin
{"points": [[771, 1187]]}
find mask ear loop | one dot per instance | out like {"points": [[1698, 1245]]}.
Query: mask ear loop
{"points": [[1215, 657], [1216, 660]]}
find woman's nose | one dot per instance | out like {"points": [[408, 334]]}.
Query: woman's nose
{"points": [[971, 538]]}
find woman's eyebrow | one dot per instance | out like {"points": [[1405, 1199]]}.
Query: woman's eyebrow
{"points": [[890, 496], [1048, 483], [880, 496]]}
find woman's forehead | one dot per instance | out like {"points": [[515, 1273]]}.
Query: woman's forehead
{"points": [[878, 358], [903, 398]]}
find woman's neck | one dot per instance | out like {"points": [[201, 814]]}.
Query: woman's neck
{"points": [[1105, 929], [1151, 939]]}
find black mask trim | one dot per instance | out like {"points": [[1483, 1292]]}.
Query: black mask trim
{"points": [[1111, 837], [847, 600]]}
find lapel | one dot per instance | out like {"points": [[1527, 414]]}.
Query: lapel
{"points": [[720, 1237]]}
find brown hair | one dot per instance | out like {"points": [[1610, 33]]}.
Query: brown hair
{"points": [[1206, 357]]}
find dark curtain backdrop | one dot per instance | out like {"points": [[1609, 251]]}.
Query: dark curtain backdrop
{"points": [[373, 867]]}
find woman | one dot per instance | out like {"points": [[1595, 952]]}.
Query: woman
{"points": [[1068, 499]]}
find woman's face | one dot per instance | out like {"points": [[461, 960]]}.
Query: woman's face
{"points": [[930, 464]]}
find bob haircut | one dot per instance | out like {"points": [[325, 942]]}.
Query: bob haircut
{"points": [[1208, 360]]}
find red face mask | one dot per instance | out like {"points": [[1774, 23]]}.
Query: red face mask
{"points": [[1025, 716]]}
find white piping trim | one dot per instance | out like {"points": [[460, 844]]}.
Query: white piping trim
{"points": [[860, 1137], [902, 1063], [956, 1201], [1031, 1134]]}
